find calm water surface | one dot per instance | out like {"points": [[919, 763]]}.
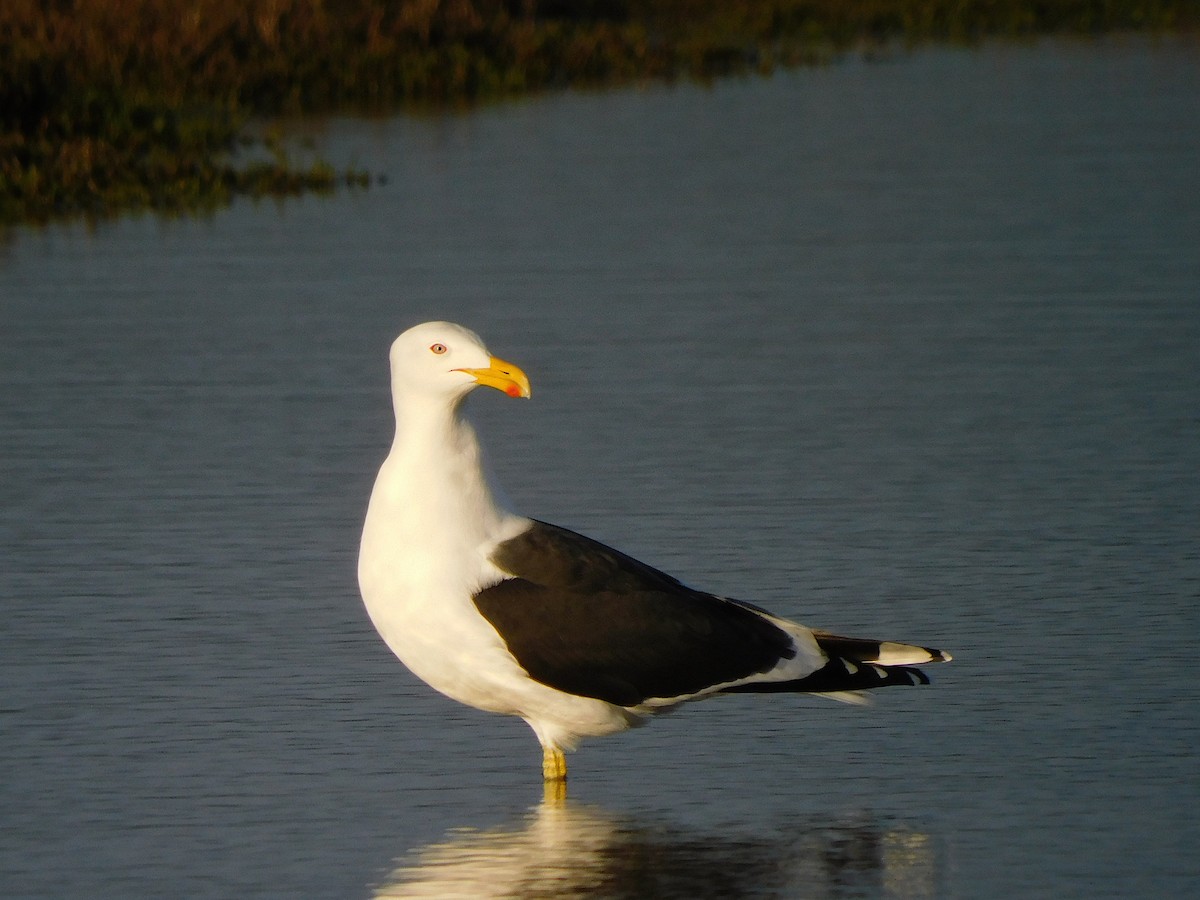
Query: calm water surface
{"points": [[906, 348]]}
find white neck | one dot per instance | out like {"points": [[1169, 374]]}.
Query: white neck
{"points": [[438, 467], [432, 512]]}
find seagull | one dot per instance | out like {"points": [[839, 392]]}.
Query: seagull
{"points": [[520, 617]]}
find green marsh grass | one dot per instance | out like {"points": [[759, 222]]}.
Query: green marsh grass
{"points": [[115, 105]]}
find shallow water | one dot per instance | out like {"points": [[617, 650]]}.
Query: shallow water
{"points": [[906, 349]]}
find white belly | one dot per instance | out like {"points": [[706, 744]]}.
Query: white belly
{"points": [[449, 647], [418, 569], [446, 643]]}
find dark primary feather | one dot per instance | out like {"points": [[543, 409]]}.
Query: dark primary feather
{"points": [[865, 649], [588, 620], [852, 666], [838, 675]]}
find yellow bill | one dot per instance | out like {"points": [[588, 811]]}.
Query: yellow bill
{"points": [[503, 376]]}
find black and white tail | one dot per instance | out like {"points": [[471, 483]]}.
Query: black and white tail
{"points": [[855, 664]]}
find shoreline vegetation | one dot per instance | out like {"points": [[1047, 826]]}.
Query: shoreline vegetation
{"points": [[114, 106]]}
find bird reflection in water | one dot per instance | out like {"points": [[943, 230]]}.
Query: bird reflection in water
{"points": [[563, 850]]}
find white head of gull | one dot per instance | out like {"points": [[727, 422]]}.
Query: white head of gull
{"points": [[516, 616]]}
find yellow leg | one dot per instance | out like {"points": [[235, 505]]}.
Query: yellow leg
{"points": [[554, 764], [554, 793], [554, 775]]}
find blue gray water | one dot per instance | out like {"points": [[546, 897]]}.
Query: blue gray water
{"points": [[906, 348]]}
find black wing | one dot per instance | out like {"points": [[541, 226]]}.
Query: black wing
{"points": [[588, 620]]}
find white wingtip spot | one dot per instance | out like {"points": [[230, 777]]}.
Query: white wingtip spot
{"points": [[894, 654]]}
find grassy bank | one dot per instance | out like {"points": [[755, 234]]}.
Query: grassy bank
{"points": [[113, 105]]}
